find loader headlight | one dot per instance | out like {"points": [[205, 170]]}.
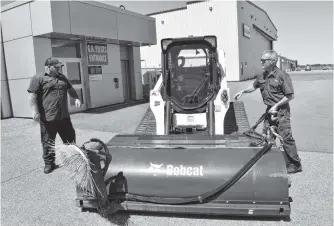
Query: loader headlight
{"points": [[224, 96], [212, 40], [165, 43]]}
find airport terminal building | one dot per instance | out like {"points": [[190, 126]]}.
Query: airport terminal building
{"points": [[98, 44], [243, 30]]}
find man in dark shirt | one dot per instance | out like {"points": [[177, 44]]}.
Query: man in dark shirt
{"points": [[48, 100], [277, 91]]}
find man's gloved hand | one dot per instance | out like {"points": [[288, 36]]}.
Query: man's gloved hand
{"points": [[77, 103], [238, 95], [36, 116], [273, 110]]}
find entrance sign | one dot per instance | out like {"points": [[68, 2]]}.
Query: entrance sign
{"points": [[95, 39], [97, 54]]}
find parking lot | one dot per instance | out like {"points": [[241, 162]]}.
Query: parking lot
{"points": [[29, 197]]}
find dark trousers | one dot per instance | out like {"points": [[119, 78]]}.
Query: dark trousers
{"points": [[283, 125], [49, 132]]}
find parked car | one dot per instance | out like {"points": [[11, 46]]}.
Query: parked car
{"points": [[308, 68]]}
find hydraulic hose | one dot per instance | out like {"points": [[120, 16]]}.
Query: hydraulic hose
{"points": [[206, 196]]}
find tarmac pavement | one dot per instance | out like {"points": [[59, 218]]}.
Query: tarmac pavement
{"points": [[29, 197]]}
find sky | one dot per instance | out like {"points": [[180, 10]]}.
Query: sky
{"points": [[305, 28]]}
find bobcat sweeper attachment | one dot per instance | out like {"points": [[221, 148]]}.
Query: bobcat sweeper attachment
{"points": [[192, 153]]}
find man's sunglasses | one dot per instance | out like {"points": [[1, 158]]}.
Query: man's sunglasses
{"points": [[264, 60], [57, 67]]}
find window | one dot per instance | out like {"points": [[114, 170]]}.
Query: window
{"points": [[65, 48], [73, 72], [193, 58]]}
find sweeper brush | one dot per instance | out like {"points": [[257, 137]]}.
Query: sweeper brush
{"points": [[193, 151]]}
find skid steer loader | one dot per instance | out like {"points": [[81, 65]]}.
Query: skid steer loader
{"points": [[192, 96], [189, 154]]}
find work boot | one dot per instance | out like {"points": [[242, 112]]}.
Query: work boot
{"points": [[294, 168], [49, 167]]}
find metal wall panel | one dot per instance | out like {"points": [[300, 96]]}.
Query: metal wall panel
{"points": [[198, 20], [99, 20], [103, 92], [19, 97], [41, 17], [128, 27], [3, 63], [92, 21], [251, 48], [24, 58], [6, 110], [61, 17], [20, 59], [14, 28], [42, 51]]}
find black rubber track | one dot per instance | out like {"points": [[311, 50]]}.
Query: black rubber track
{"points": [[147, 124], [235, 120]]}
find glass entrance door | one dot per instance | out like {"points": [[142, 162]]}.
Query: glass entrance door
{"points": [[73, 71]]}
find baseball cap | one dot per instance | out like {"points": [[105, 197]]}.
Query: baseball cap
{"points": [[52, 62]]}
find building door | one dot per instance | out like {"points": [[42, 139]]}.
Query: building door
{"points": [[126, 80], [73, 71]]}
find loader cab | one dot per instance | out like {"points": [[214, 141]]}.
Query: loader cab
{"points": [[190, 72]]}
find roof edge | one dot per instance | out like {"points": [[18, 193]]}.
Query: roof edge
{"points": [[14, 5], [264, 33], [262, 11], [166, 11], [176, 9]]}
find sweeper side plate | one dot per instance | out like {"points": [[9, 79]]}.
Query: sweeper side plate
{"points": [[176, 167]]}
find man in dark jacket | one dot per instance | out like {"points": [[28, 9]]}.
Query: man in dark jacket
{"points": [[277, 91], [48, 101]]}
